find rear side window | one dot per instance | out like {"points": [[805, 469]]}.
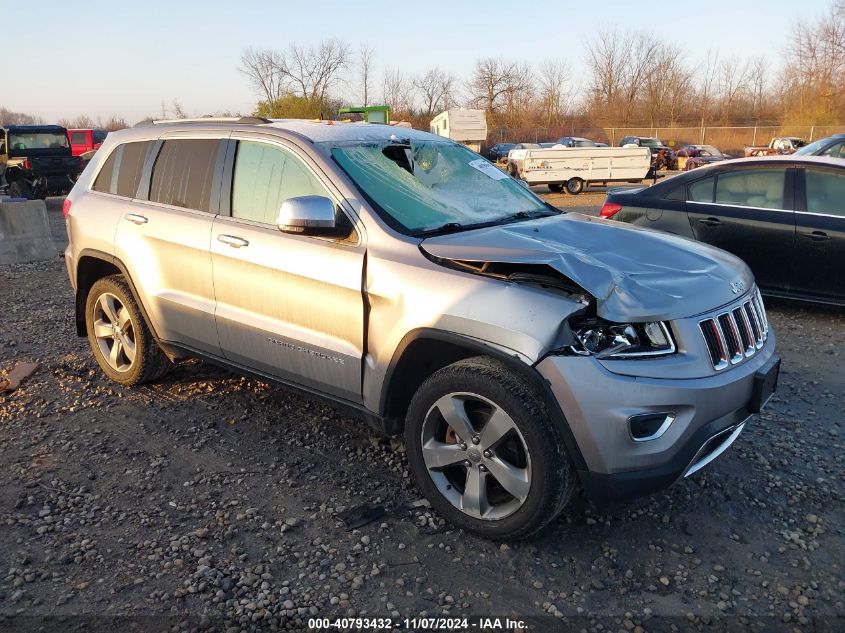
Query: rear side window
{"points": [[78, 138], [184, 173], [825, 192], [104, 178], [266, 176], [752, 188], [131, 167], [121, 173], [702, 190]]}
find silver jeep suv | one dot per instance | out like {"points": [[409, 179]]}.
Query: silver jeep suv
{"points": [[521, 350]]}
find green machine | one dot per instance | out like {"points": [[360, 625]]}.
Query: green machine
{"points": [[371, 114]]}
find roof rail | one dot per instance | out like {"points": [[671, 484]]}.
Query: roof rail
{"points": [[243, 120]]}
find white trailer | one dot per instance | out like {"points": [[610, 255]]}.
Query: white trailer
{"points": [[468, 127], [573, 168]]}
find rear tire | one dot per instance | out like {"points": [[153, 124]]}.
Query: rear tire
{"points": [[483, 449], [120, 339], [556, 187], [574, 186]]}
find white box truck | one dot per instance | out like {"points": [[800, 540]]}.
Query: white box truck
{"points": [[573, 168], [468, 127]]}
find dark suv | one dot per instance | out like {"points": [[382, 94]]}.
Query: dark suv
{"points": [[36, 161], [662, 156]]}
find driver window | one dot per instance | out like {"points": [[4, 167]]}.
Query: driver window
{"points": [[265, 176], [836, 151]]}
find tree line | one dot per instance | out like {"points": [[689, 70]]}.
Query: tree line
{"points": [[629, 78], [626, 78]]}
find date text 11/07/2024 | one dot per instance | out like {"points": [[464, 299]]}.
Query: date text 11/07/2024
{"points": [[418, 624]]}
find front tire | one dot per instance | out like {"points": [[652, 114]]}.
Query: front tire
{"points": [[483, 449], [120, 339]]}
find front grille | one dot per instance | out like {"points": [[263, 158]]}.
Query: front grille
{"points": [[736, 333]]}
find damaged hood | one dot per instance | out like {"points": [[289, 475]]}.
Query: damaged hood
{"points": [[634, 273]]}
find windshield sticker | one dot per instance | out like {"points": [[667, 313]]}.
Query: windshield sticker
{"points": [[487, 169]]}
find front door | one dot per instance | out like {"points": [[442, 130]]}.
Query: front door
{"points": [[819, 262], [749, 213], [287, 305]]}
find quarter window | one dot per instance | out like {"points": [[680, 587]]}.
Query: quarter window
{"points": [[121, 173], [751, 188], [702, 190], [825, 192], [184, 173], [266, 176]]}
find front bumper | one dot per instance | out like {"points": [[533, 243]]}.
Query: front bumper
{"points": [[709, 413]]}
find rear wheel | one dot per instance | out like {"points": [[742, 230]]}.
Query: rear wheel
{"points": [[20, 189], [556, 187], [484, 452], [574, 186], [119, 337]]}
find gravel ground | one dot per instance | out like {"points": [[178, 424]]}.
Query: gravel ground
{"points": [[209, 501]]}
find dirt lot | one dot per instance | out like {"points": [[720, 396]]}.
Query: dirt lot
{"points": [[209, 501]]}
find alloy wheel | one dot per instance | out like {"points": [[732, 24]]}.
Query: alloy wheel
{"points": [[114, 332], [476, 456]]}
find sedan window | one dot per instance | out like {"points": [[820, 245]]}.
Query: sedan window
{"points": [[836, 151], [702, 190], [826, 192], [752, 188]]}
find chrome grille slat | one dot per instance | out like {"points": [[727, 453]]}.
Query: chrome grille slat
{"points": [[736, 333]]}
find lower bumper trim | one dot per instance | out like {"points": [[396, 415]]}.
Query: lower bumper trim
{"points": [[710, 441]]}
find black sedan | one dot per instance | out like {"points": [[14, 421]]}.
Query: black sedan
{"points": [[499, 151], [783, 215]]}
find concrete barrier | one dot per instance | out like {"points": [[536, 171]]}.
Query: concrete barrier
{"points": [[24, 232]]}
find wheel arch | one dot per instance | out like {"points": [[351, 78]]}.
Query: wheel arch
{"points": [[93, 265], [424, 351]]}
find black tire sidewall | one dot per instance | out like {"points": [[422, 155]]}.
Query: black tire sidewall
{"points": [[551, 472]]}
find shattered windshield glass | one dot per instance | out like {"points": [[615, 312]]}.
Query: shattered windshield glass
{"points": [[430, 186]]}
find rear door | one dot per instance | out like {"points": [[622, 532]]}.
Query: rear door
{"points": [[750, 213], [287, 305], [819, 261], [163, 235]]}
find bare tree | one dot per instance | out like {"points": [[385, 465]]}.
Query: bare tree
{"points": [[732, 84], [264, 68], [436, 89], [554, 76], [313, 70], [178, 111], [498, 83], [366, 54], [397, 91]]}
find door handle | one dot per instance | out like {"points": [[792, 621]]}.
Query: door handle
{"points": [[817, 236], [232, 240], [710, 221], [135, 218]]}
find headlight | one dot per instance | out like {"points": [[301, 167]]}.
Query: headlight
{"points": [[604, 339]]}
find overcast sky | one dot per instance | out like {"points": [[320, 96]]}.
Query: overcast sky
{"points": [[103, 58]]}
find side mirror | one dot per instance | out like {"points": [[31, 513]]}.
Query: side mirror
{"points": [[311, 215]]}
